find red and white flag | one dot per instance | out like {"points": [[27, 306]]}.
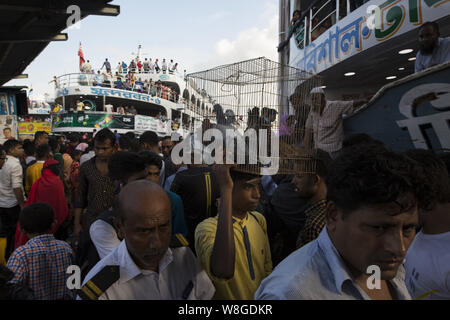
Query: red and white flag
{"points": [[80, 54]]}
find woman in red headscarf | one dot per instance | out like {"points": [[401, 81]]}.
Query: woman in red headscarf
{"points": [[48, 189]]}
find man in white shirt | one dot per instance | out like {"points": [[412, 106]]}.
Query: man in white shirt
{"points": [[12, 198], [324, 126], [148, 268], [146, 66], [433, 50], [109, 108], [164, 66], [428, 259], [170, 67], [151, 66], [86, 67]]}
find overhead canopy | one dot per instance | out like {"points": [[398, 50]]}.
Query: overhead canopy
{"points": [[28, 26]]}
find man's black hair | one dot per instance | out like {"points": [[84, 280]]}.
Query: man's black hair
{"points": [[237, 175], [360, 139], [166, 137], [76, 153], [6, 129], [29, 148], [446, 158], [130, 135], [364, 176], [122, 165], [135, 146], [322, 162], [149, 137], [36, 218], [10, 144], [151, 158], [53, 143], [55, 169], [39, 134], [297, 11], [430, 23], [124, 142], [42, 150], [105, 134], [435, 177]]}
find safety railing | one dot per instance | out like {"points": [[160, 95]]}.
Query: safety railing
{"points": [[318, 18], [96, 80]]}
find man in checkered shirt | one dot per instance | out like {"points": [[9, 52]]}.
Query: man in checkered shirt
{"points": [[42, 262]]}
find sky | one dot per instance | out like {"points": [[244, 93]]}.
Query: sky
{"points": [[198, 34]]}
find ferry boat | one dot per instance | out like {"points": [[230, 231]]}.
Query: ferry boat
{"points": [[367, 49], [176, 106]]}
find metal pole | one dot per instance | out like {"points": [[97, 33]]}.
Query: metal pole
{"points": [[337, 11], [285, 6], [310, 25], [305, 27]]}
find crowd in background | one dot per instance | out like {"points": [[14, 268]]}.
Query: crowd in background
{"points": [[103, 199]]}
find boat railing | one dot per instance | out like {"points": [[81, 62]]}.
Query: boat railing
{"points": [[320, 16], [162, 92], [97, 80]]}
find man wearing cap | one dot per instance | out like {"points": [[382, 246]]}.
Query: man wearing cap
{"points": [[324, 126]]}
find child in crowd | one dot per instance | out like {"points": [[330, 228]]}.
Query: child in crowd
{"points": [[41, 264]]}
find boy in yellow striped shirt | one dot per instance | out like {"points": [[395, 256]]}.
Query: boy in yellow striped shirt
{"points": [[233, 247]]}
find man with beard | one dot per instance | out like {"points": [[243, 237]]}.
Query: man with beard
{"points": [[371, 218], [433, 50]]}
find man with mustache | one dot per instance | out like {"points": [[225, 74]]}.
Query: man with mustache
{"points": [[371, 218], [143, 267], [433, 50]]}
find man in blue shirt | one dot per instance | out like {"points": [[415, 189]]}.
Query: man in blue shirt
{"points": [[107, 65], [433, 49], [371, 218]]}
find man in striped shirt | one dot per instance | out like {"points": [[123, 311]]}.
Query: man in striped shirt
{"points": [[313, 187]]}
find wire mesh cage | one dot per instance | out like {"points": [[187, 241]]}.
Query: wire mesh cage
{"points": [[260, 107]]}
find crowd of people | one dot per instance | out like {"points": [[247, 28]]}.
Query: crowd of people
{"points": [[130, 82], [127, 77], [141, 227], [135, 66]]}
